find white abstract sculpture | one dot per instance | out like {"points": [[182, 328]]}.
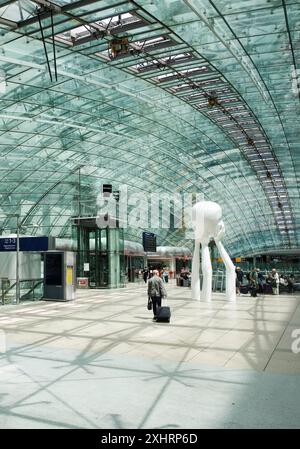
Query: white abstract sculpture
{"points": [[207, 223]]}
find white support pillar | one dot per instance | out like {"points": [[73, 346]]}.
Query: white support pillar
{"points": [[206, 272], [230, 272], [195, 281]]}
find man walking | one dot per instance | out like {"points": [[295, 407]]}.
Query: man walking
{"points": [[156, 291]]}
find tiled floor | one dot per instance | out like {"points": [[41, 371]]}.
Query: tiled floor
{"points": [[101, 362]]}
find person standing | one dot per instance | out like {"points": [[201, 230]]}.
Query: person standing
{"points": [[261, 279], [291, 282], [239, 280], [274, 276], [156, 291], [165, 275], [253, 282], [275, 281], [145, 274]]}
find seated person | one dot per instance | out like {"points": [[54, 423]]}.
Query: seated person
{"points": [[283, 281], [290, 283]]}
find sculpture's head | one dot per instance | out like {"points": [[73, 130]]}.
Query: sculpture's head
{"points": [[207, 220]]}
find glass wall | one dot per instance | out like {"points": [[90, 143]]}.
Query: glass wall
{"points": [[100, 254]]}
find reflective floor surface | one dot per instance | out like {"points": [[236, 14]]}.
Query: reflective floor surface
{"points": [[101, 362]]}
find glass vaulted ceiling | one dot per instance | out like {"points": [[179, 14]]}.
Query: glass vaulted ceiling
{"points": [[204, 99]]}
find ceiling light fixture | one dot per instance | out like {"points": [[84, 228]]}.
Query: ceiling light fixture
{"points": [[212, 101]]}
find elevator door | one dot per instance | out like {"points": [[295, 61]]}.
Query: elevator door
{"points": [[98, 270]]}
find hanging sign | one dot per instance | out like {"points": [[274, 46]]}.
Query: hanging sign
{"points": [[26, 244]]}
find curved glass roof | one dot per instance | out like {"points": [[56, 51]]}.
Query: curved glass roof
{"points": [[160, 95]]}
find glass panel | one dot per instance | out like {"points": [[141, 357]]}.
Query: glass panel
{"points": [[165, 96]]}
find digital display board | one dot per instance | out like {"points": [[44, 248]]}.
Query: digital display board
{"points": [[149, 242], [53, 269]]}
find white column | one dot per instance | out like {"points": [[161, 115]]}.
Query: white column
{"points": [[206, 273], [195, 281], [230, 272]]}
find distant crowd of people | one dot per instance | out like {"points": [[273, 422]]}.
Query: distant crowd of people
{"points": [[254, 281], [258, 282], [164, 274]]}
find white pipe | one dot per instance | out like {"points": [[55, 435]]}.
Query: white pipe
{"points": [[206, 272], [195, 280], [230, 272]]}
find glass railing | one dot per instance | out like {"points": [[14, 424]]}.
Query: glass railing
{"points": [[30, 290], [218, 281]]}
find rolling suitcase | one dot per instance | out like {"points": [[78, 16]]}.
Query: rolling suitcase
{"points": [[164, 312], [253, 291], [244, 289], [268, 289]]}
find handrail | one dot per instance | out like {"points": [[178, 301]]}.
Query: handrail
{"points": [[36, 282], [23, 280]]}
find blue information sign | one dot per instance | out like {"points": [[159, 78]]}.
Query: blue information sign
{"points": [[26, 244], [8, 244]]}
